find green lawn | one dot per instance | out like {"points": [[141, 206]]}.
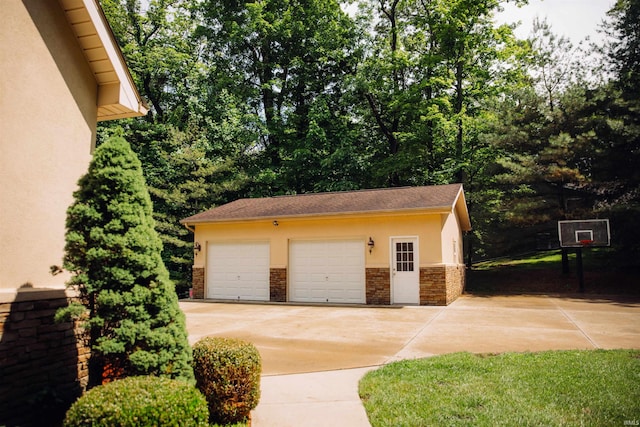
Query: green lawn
{"points": [[555, 388], [595, 258], [605, 273]]}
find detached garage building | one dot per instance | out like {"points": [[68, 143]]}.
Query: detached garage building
{"points": [[385, 246]]}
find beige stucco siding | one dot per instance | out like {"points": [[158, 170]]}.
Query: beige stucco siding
{"points": [[379, 227], [47, 130], [452, 252]]}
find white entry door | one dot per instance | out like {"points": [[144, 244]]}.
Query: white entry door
{"points": [[327, 271], [238, 271], [405, 271]]}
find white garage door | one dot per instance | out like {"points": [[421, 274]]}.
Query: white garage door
{"points": [[238, 271], [327, 271]]}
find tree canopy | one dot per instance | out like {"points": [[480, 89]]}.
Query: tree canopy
{"points": [[294, 96]]}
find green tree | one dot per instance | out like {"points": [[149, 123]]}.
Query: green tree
{"points": [[616, 117], [432, 74], [286, 60], [569, 145], [113, 252], [542, 144], [544, 163], [429, 67], [156, 37], [555, 63], [616, 164], [196, 137], [623, 49]]}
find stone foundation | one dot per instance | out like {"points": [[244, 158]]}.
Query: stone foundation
{"points": [[441, 285], [278, 285], [378, 286], [198, 283], [456, 281], [43, 364]]}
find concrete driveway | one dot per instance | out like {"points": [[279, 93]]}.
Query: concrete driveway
{"points": [[296, 339], [314, 356]]}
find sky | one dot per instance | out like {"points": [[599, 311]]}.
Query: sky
{"points": [[575, 19]]}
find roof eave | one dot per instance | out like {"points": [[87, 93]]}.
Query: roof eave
{"points": [[118, 96]]}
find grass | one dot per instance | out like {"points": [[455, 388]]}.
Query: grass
{"points": [[595, 258], [606, 272], [568, 388], [541, 260]]}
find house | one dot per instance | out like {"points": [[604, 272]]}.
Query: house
{"points": [[61, 72], [384, 246]]}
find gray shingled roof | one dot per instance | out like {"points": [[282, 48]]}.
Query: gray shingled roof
{"points": [[363, 201]]}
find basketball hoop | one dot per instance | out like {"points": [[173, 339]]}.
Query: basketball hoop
{"points": [[591, 233], [582, 234]]}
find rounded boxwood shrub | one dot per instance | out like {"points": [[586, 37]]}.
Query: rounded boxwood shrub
{"points": [[227, 372], [140, 401]]}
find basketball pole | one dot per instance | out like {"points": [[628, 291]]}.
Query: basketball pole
{"points": [[579, 268], [580, 234], [565, 261]]}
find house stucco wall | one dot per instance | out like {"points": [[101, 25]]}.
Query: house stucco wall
{"points": [[48, 117], [47, 131], [452, 252], [379, 227]]}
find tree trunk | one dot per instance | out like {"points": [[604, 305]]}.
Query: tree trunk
{"points": [[460, 174]]}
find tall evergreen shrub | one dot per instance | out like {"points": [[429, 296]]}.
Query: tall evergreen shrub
{"points": [[114, 253]]}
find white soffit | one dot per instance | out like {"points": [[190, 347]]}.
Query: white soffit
{"points": [[117, 94]]}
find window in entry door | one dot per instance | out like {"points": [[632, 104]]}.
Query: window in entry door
{"points": [[404, 256]]}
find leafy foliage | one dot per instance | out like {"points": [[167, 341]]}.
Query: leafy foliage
{"points": [[623, 49], [228, 374], [140, 401], [278, 97], [113, 251], [289, 61]]}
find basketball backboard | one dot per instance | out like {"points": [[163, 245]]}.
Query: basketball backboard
{"points": [[581, 233]]}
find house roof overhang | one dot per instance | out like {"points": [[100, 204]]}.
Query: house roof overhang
{"points": [[118, 96], [352, 214]]}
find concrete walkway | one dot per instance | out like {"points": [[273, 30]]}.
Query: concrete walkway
{"points": [[313, 357]]}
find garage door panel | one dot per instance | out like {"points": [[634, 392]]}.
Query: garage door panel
{"points": [[238, 271], [327, 271]]}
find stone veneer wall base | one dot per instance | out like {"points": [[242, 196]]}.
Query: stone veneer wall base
{"points": [[197, 284], [378, 286], [278, 285], [441, 285], [43, 364]]}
